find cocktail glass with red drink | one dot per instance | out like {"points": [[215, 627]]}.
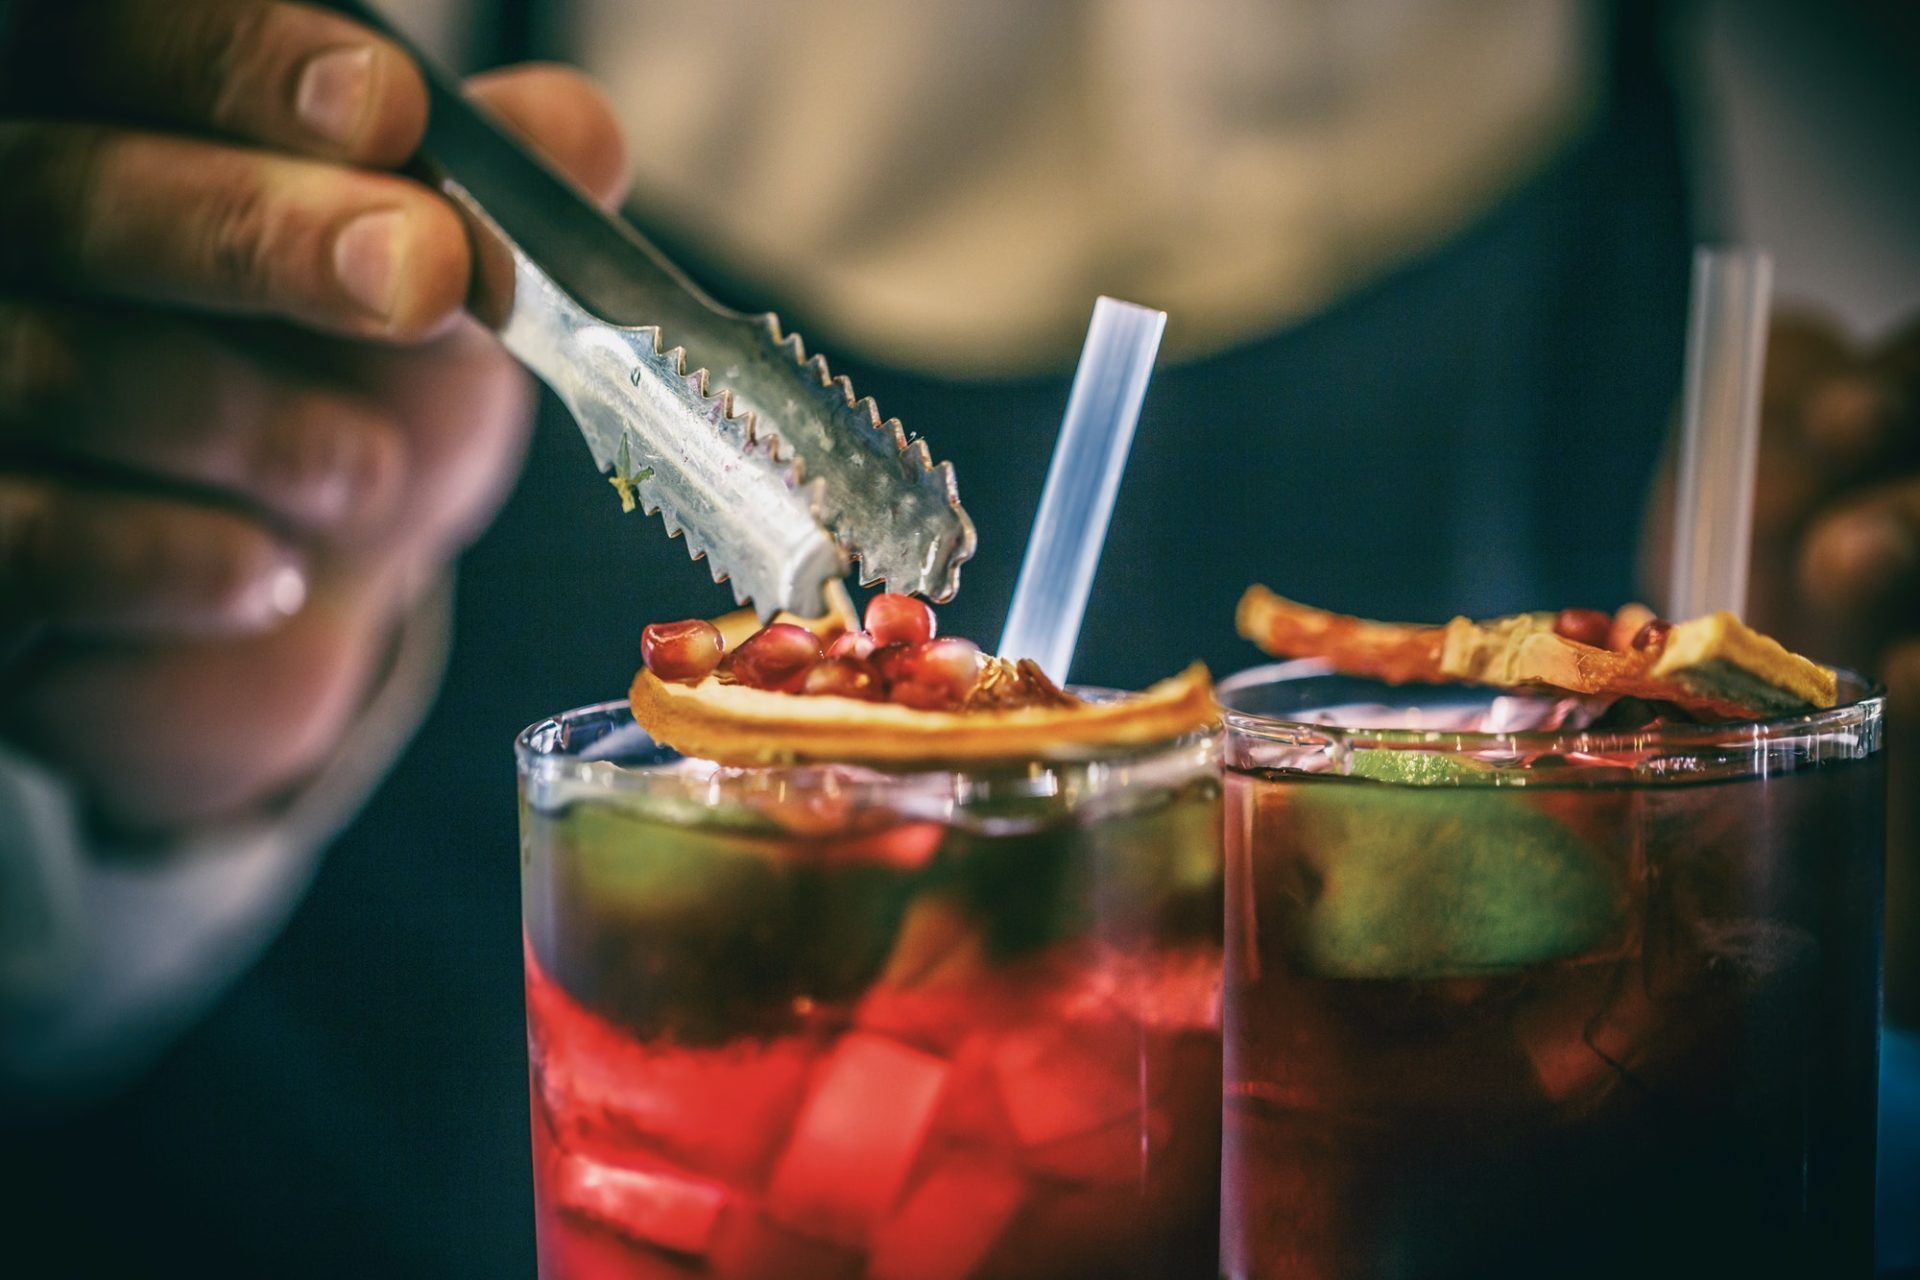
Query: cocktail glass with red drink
{"points": [[1548, 1002], [821, 1020]]}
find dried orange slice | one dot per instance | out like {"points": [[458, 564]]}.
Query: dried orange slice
{"points": [[735, 725], [1714, 667], [887, 692]]}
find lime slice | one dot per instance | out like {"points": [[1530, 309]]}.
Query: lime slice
{"points": [[1445, 882], [628, 863], [1417, 768]]}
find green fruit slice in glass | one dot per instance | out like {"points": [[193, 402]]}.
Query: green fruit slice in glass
{"points": [[1443, 881]]}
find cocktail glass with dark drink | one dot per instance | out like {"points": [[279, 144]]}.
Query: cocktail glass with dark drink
{"points": [[1559, 1002], [822, 1020]]}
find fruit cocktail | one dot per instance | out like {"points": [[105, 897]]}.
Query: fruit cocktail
{"points": [[896, 1017], [1510, 994]]}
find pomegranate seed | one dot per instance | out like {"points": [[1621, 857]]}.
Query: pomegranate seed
{"points": [[1652, 638], [936, 676], [896, 619], [852, 644], [843, 678], [890, 662], [1627, 621], [1583, 626], [681, 650], [776, 657]]}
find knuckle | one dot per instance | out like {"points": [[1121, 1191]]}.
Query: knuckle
{"points": [[217, 47], [238, 230]]}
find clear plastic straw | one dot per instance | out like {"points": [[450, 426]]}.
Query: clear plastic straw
{"points": [[1050, 598], [1720, 431]]}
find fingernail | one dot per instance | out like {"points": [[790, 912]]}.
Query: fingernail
{"points": [[286, 590], [366, 259], [274, 597], [332, 95]]}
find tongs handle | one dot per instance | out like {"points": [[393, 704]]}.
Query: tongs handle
{"points": [[595, 257]]}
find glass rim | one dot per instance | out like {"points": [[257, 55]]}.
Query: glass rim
{"points": [[1869, 705], [1164, 761]]}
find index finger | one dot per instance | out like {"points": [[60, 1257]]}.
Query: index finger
{"points": [[289, 76]]}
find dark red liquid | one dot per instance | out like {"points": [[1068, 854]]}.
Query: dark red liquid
{"points": [[1605, 1031]]}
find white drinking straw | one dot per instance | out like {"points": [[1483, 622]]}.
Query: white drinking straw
{"points": [[1050, 599], [1720, 431]]}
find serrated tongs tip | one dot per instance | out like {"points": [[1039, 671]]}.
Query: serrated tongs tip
{"points": [[768, 464]]}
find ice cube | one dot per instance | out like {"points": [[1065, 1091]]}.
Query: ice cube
{"points": [[935, 1019], [948, 1223], [1061, 1081], [970, 1111], [718, 1110], [939, 945], [936, 984], [1584, 1029], [860, 1129], [1683, 1024], [668, 1209]]}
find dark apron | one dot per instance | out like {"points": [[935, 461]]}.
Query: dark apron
{"points": [[1474, 433]]}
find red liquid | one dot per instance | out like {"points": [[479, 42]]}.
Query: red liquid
{"points": [[910, 1052], [1609, 1031]]}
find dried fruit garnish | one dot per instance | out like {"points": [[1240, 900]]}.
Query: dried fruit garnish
{"points": [[1714, 668], [816, 690]]}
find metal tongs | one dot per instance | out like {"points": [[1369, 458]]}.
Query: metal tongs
{"points": [[713, 419]]}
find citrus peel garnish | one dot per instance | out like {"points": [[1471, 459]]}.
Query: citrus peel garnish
{"points": [[1713, 667], [735, 725]]}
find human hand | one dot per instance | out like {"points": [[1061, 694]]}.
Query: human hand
{"points": [[242, 420], [1836, 558]]}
